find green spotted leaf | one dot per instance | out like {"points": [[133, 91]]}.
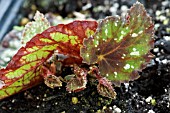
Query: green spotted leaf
{"points": [[121, 45], [25, 68]]}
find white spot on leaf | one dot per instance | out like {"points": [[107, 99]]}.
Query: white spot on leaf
{"points": [[97, 43], [106, 31], [134, 49], [134, 35], [122, 32], [140, 32], [115, 73], [136, 53], [132, 67], [121, 37], [104, 40], [115, 24], [127, 66]]}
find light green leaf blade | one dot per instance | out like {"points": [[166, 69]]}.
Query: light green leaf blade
{"points": [[32, 28]]}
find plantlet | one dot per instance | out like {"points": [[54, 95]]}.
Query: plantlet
{"points": [[112, 51]]}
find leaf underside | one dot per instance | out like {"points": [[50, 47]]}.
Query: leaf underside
{"points": [[121, 45], [24, 70]]}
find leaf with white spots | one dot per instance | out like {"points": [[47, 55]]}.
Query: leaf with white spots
{"points": [[121, 45]]}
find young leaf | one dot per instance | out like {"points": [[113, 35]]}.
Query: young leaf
{"points": [[104, 87], [50, 79], [120, 45], [25, 68], [79, 81], [32, 28]]}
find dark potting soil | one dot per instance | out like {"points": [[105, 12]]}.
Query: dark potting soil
{"points": [[148, 94]]}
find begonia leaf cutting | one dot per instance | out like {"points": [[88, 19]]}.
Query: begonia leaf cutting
{"points": [[25, 68], [121, 45], [106, 89], [32, 28], [50, 79], [77, 82], [111, 52]]}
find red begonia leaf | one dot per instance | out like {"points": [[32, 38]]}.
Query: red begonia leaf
{"points": [[25, 68]]}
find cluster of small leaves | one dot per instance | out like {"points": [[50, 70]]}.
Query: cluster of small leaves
{"points": [[115, 51]]}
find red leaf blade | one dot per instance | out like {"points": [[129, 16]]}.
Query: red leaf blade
{"points": [[24, 70]]}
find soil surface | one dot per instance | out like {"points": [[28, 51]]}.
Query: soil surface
{"points": [[148, 94]]}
